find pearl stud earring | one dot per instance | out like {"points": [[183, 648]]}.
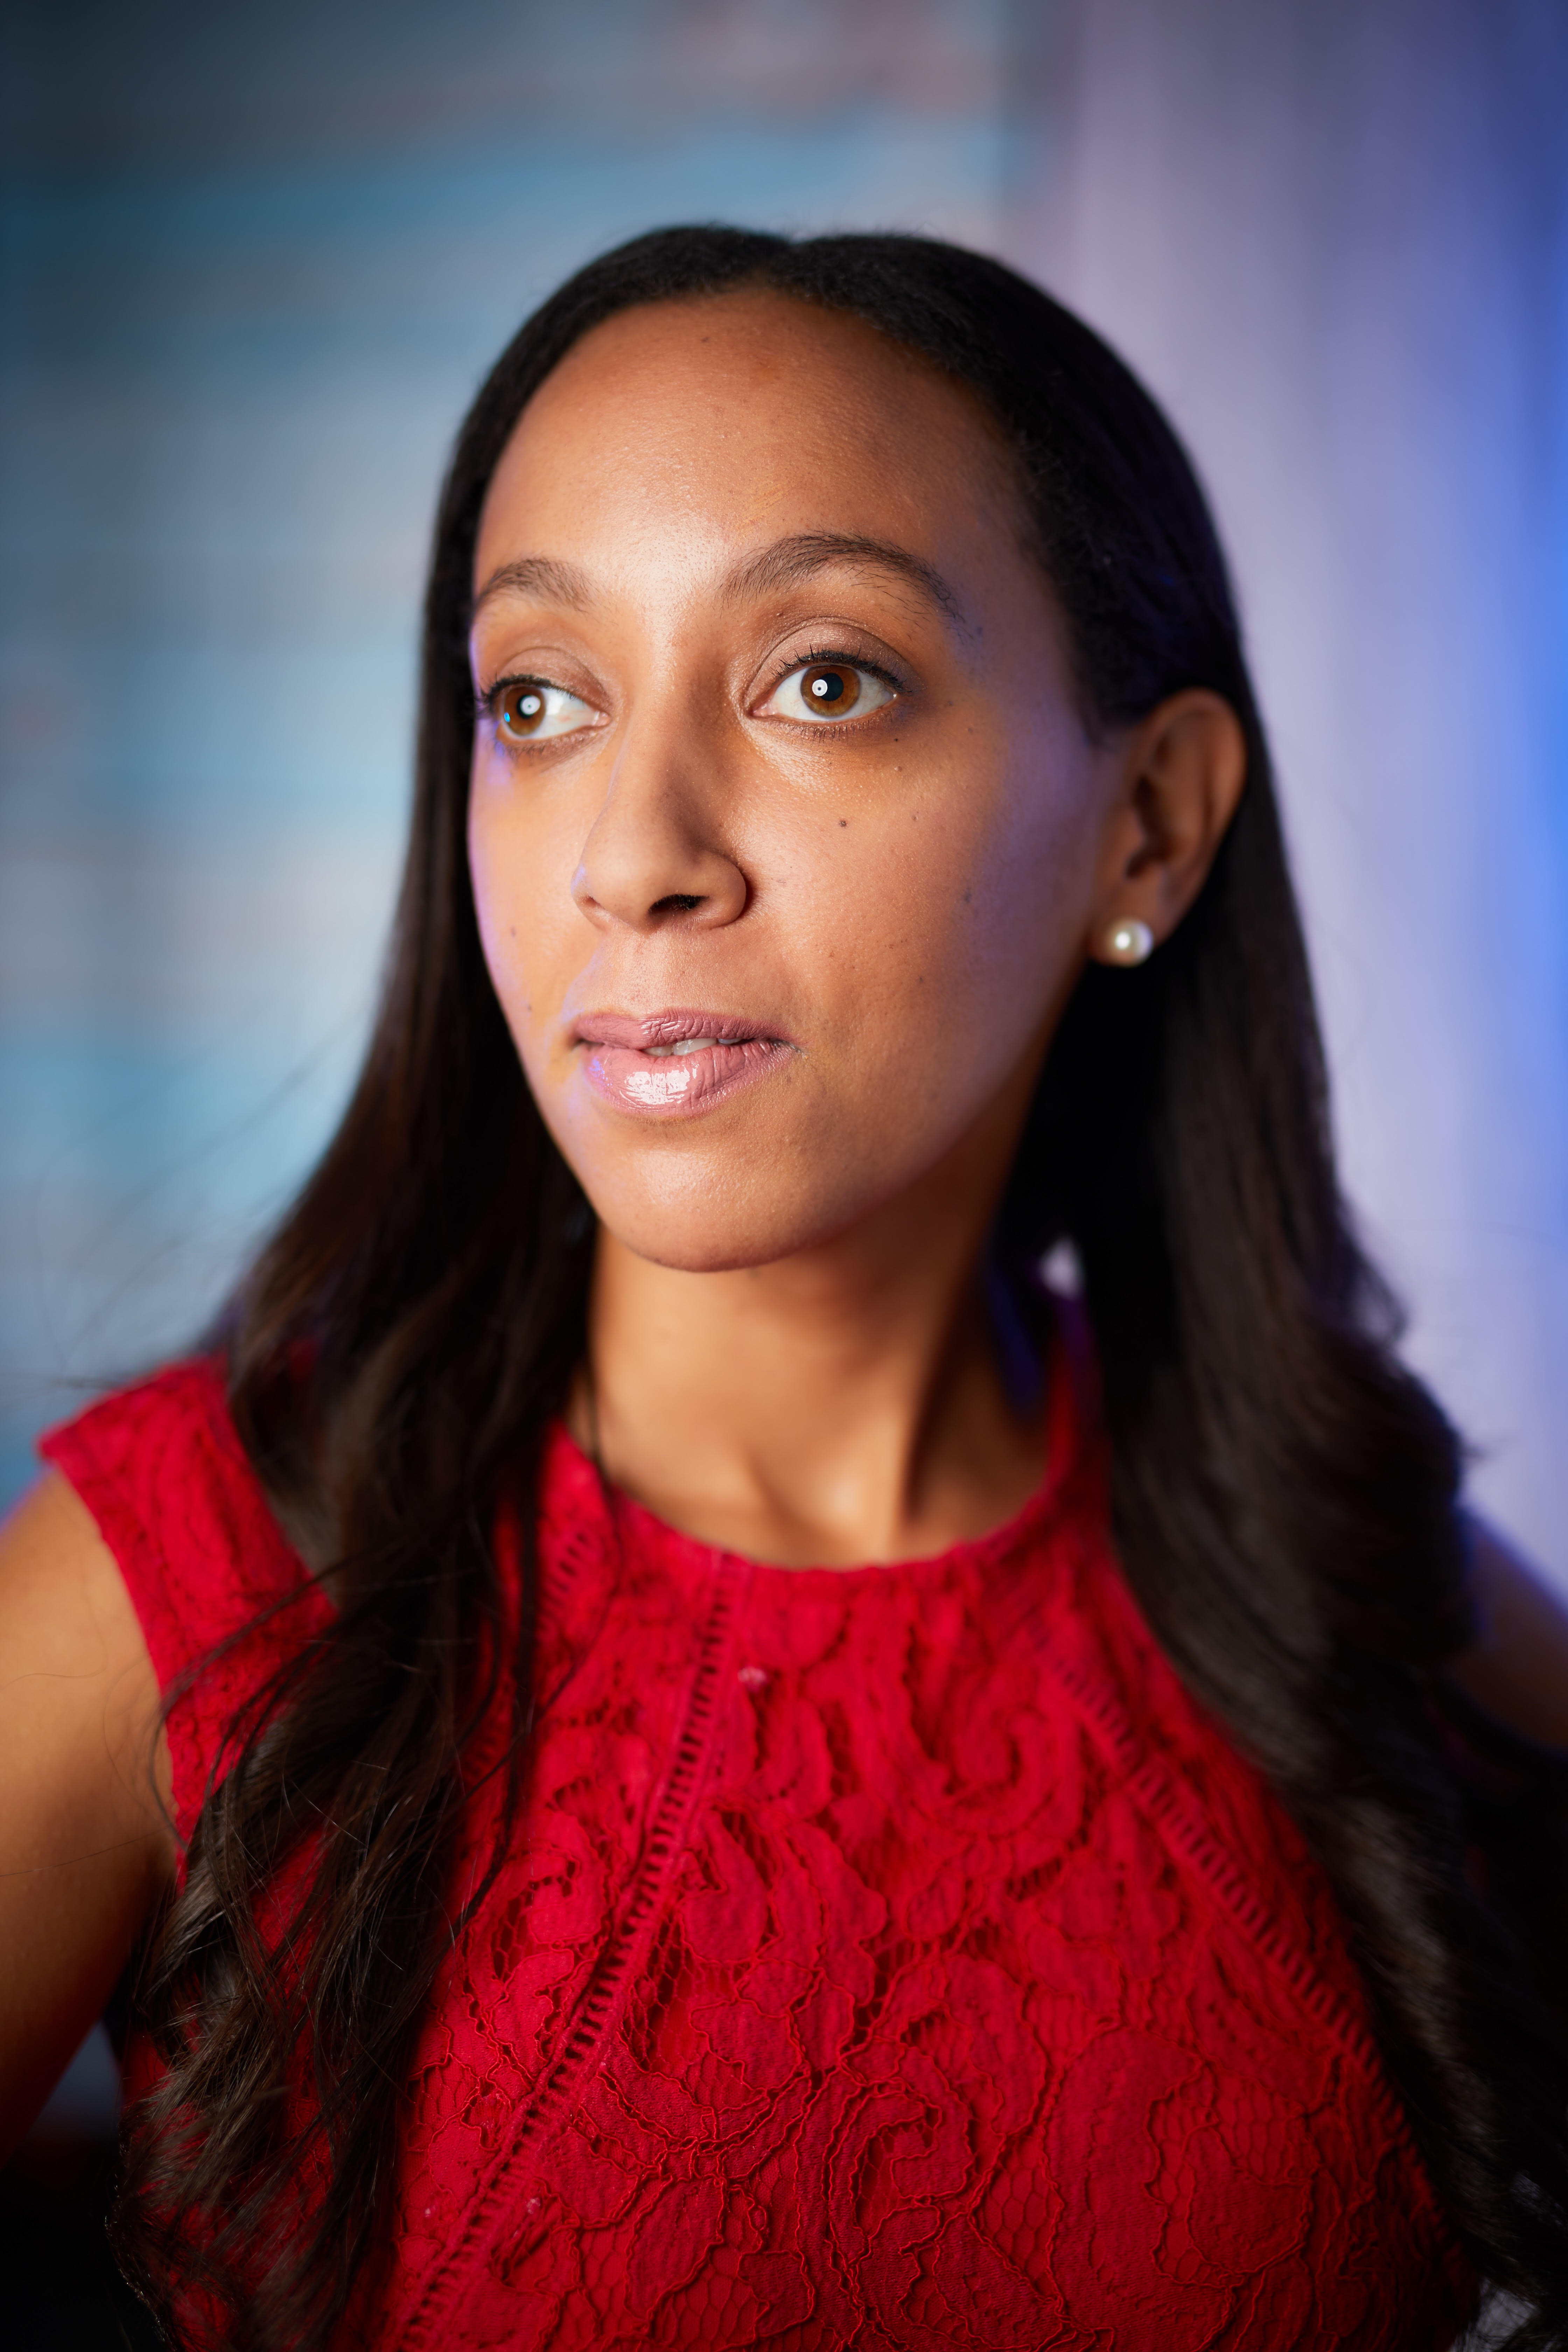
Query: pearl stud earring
{"points": [[1128, 942]]}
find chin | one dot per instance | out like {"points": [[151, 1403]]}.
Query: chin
{"points": [[692, 1254], [712, 1224]]}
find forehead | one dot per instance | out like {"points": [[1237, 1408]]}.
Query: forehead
{"points": [[749, 413]]}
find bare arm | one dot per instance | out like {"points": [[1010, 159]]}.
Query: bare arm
{"points": [[1518, 1668], [85, 1851]]}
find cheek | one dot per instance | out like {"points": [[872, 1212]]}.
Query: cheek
{"points": [[1034, 879], [512, 868], [489, 872], [965, 918]]}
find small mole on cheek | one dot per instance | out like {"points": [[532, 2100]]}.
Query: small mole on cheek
{"points": [[967, 897], [842, 823]]}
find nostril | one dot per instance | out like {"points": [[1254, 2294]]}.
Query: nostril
{"points": [[679, 902]]}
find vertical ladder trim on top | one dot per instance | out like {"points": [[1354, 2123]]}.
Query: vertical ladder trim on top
{"points": [[617, 1969]]}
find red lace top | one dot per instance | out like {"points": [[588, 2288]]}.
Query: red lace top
{"points": [[894, 1956]]}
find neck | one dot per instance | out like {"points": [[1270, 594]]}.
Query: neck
{"points": [[843, 1404]]}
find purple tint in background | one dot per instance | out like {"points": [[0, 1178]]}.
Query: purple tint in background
{"points": [[1335, 239], [253, 269]]}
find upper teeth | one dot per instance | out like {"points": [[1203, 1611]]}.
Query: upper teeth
{"points": [[686, 1046]]}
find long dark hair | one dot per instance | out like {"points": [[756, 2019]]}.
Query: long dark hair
{"points": [[1284, 1492]]}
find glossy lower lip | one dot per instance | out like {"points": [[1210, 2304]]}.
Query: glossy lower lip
{"points": [[630, 1061]]}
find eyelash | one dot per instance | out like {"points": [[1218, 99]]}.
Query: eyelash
{"points": [[836, 653], [486, 703]]}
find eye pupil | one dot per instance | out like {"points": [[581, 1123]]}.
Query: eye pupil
{"points": [[523, 709], [832, 688]]}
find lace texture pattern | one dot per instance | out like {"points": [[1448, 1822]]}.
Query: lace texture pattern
{"points": [[894, 1957]]}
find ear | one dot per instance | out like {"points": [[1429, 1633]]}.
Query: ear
{"points": [[1176, 780]]}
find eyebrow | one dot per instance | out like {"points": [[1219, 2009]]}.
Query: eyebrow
{"points": [[788, 563], [540, 576]]}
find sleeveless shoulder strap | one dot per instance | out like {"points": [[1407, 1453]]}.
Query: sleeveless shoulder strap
{"points": [[223, 1598]]}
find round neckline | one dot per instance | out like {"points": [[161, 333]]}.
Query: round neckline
{"points": [[997, 1542], [1063, 1414]]}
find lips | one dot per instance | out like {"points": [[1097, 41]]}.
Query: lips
{"points": [[675, 1062]]}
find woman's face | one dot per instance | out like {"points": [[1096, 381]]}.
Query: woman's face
{"points": [[788, 839]]}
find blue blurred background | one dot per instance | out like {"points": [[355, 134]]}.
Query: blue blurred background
{"points": [[255, 262]]}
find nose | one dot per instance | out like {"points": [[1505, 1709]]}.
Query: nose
{"points": [[654, 855]]}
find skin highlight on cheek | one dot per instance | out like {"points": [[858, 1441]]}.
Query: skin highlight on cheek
{"points": [[850, 1016]]}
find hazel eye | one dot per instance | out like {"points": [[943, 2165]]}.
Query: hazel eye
{"points": [[528, 711], [828, 690]]}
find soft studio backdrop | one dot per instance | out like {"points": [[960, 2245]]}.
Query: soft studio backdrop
{"points": [[255, 262]]}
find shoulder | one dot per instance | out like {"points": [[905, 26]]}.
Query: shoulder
{"points": [[219, 1594], [86, 1843], [1516, 1668], [161, 1457], [161, 1469], [69, 1637]]}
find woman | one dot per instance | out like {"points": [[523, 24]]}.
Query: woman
{"points": [[717, 1847]]}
